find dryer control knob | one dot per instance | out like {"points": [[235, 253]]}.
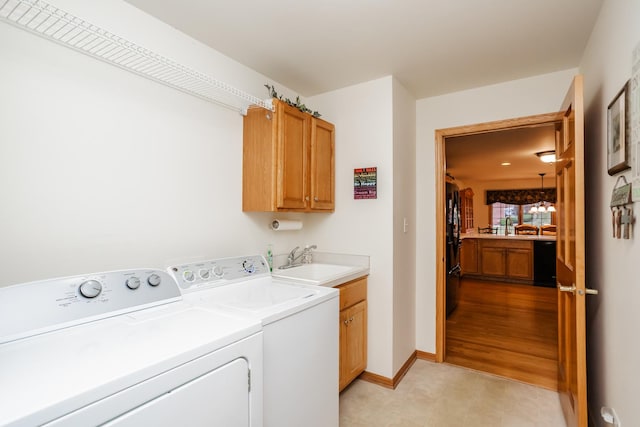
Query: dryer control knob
{"points": [[188, 275], [154, 280], [248, 266], [218, 271], [204, 273], [90, 288], [133, 282]]}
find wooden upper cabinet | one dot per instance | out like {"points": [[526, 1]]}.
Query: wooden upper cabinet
{"points": [[293, 158], [322, 169], [466, 209], [288, 161]]}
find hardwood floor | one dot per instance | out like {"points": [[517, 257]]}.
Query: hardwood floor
{"points": [[505, 329]]}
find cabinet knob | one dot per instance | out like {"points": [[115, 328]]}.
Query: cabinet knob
{"points": [[306, 198], [315, 199]]}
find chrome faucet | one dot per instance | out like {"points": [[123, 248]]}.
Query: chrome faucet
{"points": [[307, 257], [507, 222], [292, 257]]}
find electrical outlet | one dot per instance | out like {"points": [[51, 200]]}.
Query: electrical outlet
{"points": [[609, 416]]}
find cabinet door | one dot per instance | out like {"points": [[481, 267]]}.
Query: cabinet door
{"points": [[520, 264], [493, 261], [466, 209], [353, 342], [322, 168], [469, 256], [293, 143]]}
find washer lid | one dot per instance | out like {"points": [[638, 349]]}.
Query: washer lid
{"points": [[262, 298], [261, 294], [49, 375]]}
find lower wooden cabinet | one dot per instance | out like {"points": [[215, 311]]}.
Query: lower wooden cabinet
{"points": [[520, 263], [500, 259], [469, 256], [353, 330]]}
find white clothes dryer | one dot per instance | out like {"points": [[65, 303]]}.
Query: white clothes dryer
{"points": [[300, 329], [121, 349]]}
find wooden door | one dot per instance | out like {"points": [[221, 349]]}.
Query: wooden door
{"points": [[322, 168], [520, 263], [353, 342], [293, 143], [493, 261], [570, 259], [469, 256], [466, 209]]}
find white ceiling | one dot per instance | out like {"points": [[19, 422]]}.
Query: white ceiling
{"points": [[432, 46], [479, 157]]}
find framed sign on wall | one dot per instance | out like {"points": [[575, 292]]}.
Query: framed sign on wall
{"points": [[617, 149], [365, 183]]}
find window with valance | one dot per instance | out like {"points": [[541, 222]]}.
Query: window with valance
{"points": [[521, 197]]}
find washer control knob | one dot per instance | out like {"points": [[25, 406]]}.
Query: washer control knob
{"points": [[218, 271], [248, 266], [204, 273], [154, 280], [133, 282], [188, 275], [90, 288]]}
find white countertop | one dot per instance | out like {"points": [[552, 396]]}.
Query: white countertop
{"points": [[327, 269], [509, 237]]}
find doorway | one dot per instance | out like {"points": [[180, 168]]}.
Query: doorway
{"points": [[441, 137]]}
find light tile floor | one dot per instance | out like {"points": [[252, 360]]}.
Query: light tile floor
{"points": [[442, 395]]}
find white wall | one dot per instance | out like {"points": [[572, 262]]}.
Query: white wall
{"points": [[101, 169], [404, 241], [613, 350], [535, 95], [364, 137]]}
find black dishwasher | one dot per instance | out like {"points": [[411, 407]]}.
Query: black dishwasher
{"points": [[544, 263]]}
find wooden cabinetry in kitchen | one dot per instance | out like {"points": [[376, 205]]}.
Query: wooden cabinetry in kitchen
{"points": [[499, 259], [508, 259], [353, 330], [466, 209], [469, 256], [288, 161]]}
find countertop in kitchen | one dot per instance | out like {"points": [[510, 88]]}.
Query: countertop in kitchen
{"points": [[509, 237]]}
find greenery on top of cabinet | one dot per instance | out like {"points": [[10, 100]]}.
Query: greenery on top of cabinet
{"points": [[297, 104]]}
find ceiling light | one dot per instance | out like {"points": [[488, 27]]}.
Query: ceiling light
{"points": [[505, 164], [542, 206], [547, 156]]}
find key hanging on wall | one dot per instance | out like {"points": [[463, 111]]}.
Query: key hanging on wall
{"points": [[622, 218]]}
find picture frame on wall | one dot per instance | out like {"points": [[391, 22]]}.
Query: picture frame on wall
{"points": [[617, 147]]}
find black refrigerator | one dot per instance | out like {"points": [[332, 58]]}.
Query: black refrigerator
{"points": [[453, 247]]}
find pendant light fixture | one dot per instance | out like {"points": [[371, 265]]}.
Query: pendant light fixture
{"points": [[541, 206]]}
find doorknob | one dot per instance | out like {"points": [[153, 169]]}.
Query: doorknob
{"points": [[571, 289]]}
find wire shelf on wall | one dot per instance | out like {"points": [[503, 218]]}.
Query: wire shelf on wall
{"points": [[52, 23]]}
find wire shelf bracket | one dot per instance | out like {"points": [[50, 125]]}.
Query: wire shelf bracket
{"points": [[54, 24]]}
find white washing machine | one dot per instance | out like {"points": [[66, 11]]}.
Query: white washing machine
{"points": [[122, 349], [300, 331]]}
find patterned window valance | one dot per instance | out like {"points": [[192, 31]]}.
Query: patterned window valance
{"points": [[521, 197]]}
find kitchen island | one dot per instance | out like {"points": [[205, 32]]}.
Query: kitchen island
{"points": [[503, 258]]}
